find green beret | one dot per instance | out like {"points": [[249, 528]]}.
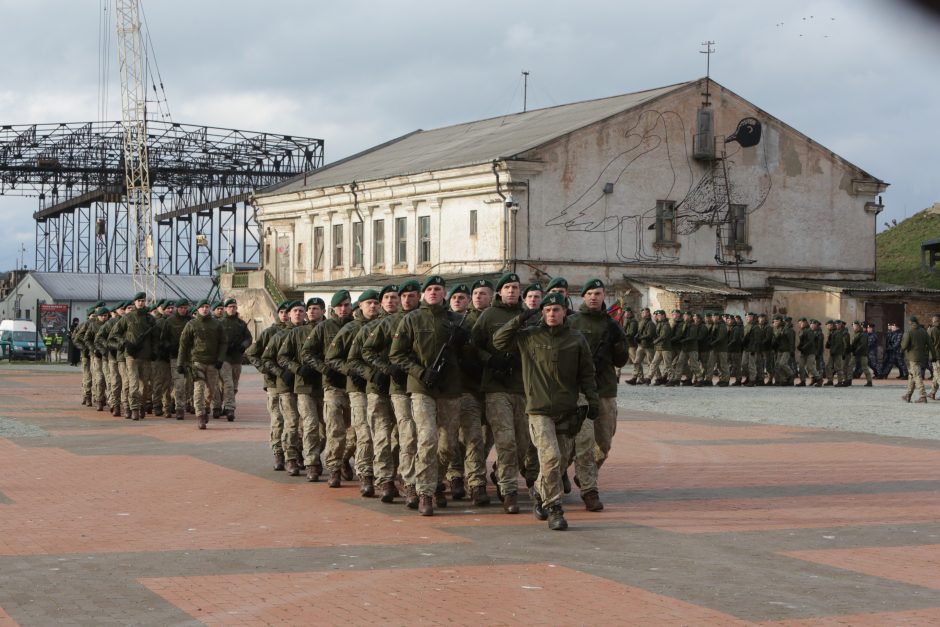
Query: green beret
{"points": [[697, 315], [509, 277], [460, 288], [369, 294], [410, 285], [554, 298], [481, 283], [434, 279], [529, 288], [913, 319], [205, 301], [182, 303], [140, 295], [677, 311], [100, 303], [626, 309], [296, 303], [388, 288], [217, 304], [592, 284], [316, 301], [282, 306], [90, 310], [229, 301], [558, 281], [102, 311], [854, 322], [339, 297], [803, 320]]}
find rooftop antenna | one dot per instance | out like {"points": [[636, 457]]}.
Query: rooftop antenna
{"points": [[525, 90], [708, 52]]}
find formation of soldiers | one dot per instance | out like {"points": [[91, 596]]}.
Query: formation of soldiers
{"points": [[138, 359], [721, 349], [418, 384]]}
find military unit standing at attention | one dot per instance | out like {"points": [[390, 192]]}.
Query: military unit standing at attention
{"points": [[138, 360]]}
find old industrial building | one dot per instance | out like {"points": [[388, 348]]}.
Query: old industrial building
{"points": [[682, 195]]}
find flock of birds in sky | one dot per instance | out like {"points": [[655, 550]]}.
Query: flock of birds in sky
{"points": [[809, 20]]}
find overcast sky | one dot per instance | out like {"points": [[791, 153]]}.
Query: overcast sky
{"points": [[861, 77]]}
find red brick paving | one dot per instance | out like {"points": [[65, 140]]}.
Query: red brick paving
{"points": [[916, 565], [5, 620]]}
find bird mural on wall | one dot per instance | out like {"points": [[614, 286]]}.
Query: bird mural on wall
{"points": [[621, 198]]}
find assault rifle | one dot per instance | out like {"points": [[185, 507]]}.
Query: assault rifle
{"points": [[433, 373]]}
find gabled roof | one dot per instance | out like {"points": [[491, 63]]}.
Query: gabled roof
{"points": [[378, 281], [691, 285], [64, 286], [470, 143], [851, 287]]}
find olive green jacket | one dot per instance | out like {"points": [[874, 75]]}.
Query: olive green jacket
{"points": [[645, 333], [556, 366], [337, 354], [288, 358], [418, 340], [916, 344], [720, 337], [202, 341], [489, 322], [256, 350], [237, 338], [376, 346], [355, 361], [136, 331], [663, 341], [313, 352], [607, 343], [808, 340], [170, 332], [630, 327]]}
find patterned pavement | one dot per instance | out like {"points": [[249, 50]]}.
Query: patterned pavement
{"points": [[105, 521]]}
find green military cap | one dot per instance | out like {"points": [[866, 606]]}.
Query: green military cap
{"points": [[140, 295], [460, 288], [788, 318], [90, 310], [217, 304], [205, 301], [369, 294], [558, 281], [183, 302], [388, 288], [315, 301], [842, 322], [339, 297], [481, 283], [434, 279], [281, 306], [101, 311], [803, 320], [296, 303], [229, 301], [829, 322], [854, 322], [913, 319], [533, 287], [761, 315], [676, 311], [410, 285], [554, 298], [697, 315], [509, 277], [592, 284], [778, 317], [100, 303], [630, 309]]}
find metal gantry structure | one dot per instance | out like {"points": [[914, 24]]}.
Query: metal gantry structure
{"points": [[200, 179]]}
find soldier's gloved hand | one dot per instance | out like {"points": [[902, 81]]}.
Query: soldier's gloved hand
{"points": [[305, 371], [499, 362], [334, 378], [380, 379], [461, 336], [98, 354], [218, 365], [593, 412], [358, 381], [429, 378], [181, 369], [528, 314], [288, 377], [398, 374]]}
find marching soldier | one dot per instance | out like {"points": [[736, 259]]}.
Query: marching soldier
{"points": [[109, 360], [133, 332], [917, 348], [630, 328], [86, 353], [687, 362], [162, 374], [284, 385], [254, 353], [765, 351], [238, 339], [719, 351], [782, 347], [202, 348], [644, 335], [98, 383], [807, 341], [752, 342], [873, 350], [893, 353], [375, 350], [558, 368], [934, 334], [661, 365], [171, 332], [736, 348], [859, 350]]}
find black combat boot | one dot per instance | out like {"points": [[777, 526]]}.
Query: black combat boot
{"points": [[479, 496], [278, 457], [293, 469], [179, 414], [367, 487], [511, 503], [538, 508], [439, 499], [230, 415], [556, 517], [457, 489], [217, 413], [387, 491], [335, 480], [116, 410], [411, 497], [592, 501], [202, 420]]}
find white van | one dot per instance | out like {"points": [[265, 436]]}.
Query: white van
{"points": [[18, 340]]}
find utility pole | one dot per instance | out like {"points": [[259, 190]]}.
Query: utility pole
{"points": [[708, 52], [525, 90]]}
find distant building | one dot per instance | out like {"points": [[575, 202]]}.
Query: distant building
{"points": [[648, 190]]}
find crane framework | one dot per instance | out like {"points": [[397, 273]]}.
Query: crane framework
{"points": [[200, 179]]}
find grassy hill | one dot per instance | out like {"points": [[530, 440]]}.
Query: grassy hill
{"points": [[899, 251]]}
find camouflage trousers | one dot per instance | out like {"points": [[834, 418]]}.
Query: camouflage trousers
{"points": [[407, 437], [836, 368], [125, 387], [311, 434], [661, 365], [915, 378], [469, 460], [138, 380], [808, 367], [114, 383], [605, 426], [935, 370], [506, 416], [720, 360], [782, 372], [162, 385], [216, 393], [585, 450], [359, 411], [230, 375], [643, 359], [86, 374], [753, 369], [205, 379], [382, 426], [98, 380], [688, 359], [552, 447], [290, 436], [277, 421], [336, 410], [432, 415], [180, 388], [863, 366]]}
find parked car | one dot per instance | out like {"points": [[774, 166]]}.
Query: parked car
{"points": [[18, 340]]}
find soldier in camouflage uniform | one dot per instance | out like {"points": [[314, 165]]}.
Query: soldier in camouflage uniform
{"points": [[557, 369], [238, 339], [643, 336], [171, 331], [859, 349], [110, 360], [86, 352], [917, 348], [806, 343], [661, 365], [933, 333], [423, 337], [783, 342], [718, 357], [254, 353], [134, 332], [202, 348], [284, 385], [98, 383]]}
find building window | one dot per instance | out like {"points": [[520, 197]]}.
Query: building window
{"points": [[401, 240], [318, 245], [665, 221], [300, 255], [378, 242], [267, 254], [737, 230], [473, 222], [424, 239], [337, 245], [357, 233]]}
